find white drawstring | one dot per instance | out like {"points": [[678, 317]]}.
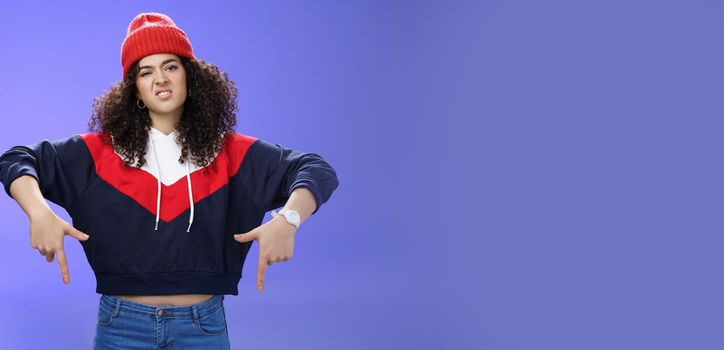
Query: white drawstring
{"points": [[191, 197], [158, 177]]}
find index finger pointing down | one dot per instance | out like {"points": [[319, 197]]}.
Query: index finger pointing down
{"points": [[260, 273], [63, 266]]}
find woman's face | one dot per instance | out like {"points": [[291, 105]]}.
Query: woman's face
{"points": [[161, 84]]}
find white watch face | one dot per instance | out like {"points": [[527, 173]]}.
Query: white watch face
{"points": [[292, 217]]}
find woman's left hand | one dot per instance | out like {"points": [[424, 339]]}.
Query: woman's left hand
{"points": [[276, 243]]}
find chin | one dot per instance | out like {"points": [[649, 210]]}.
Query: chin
{"points": [[166, 109]]}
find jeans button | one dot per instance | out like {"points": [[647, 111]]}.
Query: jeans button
{"points": [[160, 312]]}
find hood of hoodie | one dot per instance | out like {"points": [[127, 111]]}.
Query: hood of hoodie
{"points": [[162, 154]]}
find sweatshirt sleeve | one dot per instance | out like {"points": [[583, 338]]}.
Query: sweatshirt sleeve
{"points": [[63, 168], [279, 170]]}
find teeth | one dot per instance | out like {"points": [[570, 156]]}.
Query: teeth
{"points": [[164, 93]]}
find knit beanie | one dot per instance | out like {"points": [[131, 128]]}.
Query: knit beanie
{"points": [[151, 33]]}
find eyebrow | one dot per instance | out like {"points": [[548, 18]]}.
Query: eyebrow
{"points": [[162, 63]]}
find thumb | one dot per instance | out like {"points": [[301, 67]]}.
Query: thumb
{"points": [[246, 237], [77, 233]]}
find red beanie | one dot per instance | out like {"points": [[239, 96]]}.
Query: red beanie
{"points": [[151, 33]]}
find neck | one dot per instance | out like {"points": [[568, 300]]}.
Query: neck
{"points": [[165, 123]]}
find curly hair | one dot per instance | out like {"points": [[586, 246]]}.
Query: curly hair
{"points": [[208, 115]]}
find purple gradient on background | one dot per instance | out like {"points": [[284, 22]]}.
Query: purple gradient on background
{"points": [[513, 174]]}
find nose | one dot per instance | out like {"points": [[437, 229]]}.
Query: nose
{"points": [[161, 78]]}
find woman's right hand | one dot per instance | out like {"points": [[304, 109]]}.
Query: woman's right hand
{"points": [[47, 234]]}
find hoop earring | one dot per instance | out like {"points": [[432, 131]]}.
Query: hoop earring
{"points": [[188, 94], [139, 106]]}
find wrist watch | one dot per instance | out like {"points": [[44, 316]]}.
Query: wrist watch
{"points": [[292, 216]]}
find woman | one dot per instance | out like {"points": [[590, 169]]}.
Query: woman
{"points": [[165, 197]]}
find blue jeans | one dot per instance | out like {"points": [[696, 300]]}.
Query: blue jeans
{"points": [[123, 324]]}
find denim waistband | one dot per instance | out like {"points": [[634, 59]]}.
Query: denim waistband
{"points": [[115, 304]]}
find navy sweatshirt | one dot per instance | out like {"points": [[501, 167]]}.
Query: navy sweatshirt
{"points": [[167, 228]]}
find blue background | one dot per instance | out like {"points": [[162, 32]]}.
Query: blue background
{"points": [[513, 174]]}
